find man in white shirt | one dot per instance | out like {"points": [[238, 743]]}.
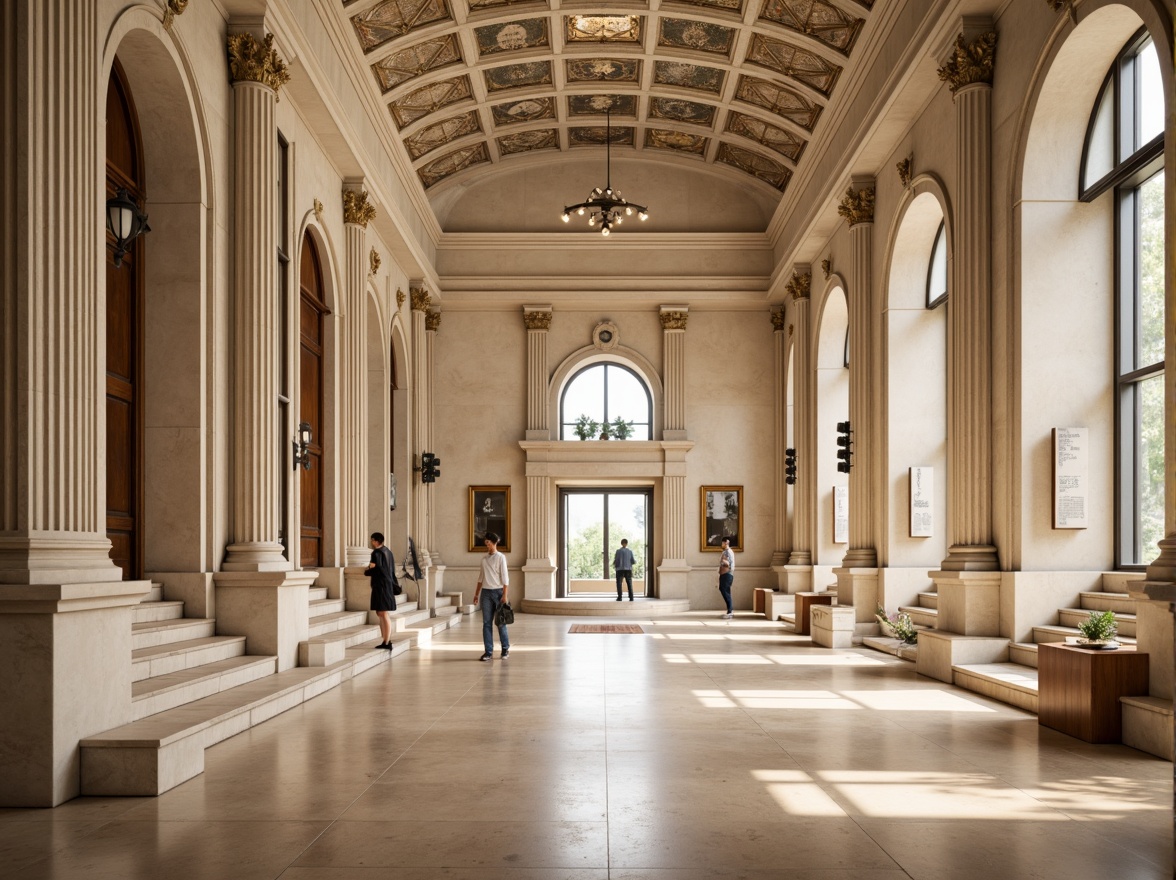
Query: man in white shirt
{"points": [[493, 583], [726, 575]]}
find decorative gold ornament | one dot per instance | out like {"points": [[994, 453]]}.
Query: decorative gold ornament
{"points": [[778, 319], [905, 170], [537, 320], [1067, 6], [791, 329], [171, 10], [400, 298], [799, 285], [857, 205], [827, 267], [420, 299], [251, 61], [356, 208], [432, 321], [674, 320], [970, 63], [374, 260], [318, 211]]}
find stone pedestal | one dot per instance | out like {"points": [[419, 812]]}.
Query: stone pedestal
{"points": [[538, 579], [777, 604], [795, 578], [196, 589], [940, 651], [969, 602], [858, 587], [673, 579], [832, 626], [357, 588], [66, 655], [269, 608]]}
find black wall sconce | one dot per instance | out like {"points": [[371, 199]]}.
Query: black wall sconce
{"points": [[844, 447], [302, 446], [790, 466], [126, 222], [430, 467]]}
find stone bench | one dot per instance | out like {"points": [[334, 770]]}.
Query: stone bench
{"points": [[805, 602], [832, 625]]}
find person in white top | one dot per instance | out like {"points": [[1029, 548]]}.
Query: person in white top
{"points": [[726, 575], [493, 584]]}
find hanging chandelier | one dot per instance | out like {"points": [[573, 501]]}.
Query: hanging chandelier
{"points": [[606, 206]]}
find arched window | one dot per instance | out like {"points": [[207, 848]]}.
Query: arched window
{"points": [[937, 270], [1124, 156], [604, 394]]}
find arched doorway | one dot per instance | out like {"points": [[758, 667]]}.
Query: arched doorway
{"points": [[312, 311], [124, 309]]}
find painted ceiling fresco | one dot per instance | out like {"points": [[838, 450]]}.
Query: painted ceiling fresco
{"points": [[740, 85]]}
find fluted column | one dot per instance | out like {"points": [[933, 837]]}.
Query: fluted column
{"points": [[673, 321], [432, 325], [780, 404], [538, 525], [804, 430], [257, 74], [357, 213], [537, 320], [969, 438], [858, 208], [420, 300]]}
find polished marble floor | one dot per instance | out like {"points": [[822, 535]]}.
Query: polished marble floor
{"points": [[702, 748]]}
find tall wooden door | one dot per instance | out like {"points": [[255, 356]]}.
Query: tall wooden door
{"points": [[124, 296], [312, 311]]}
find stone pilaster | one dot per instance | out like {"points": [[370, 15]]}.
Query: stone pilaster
{"points": [[357, 213], [804, 430], [537, 320], [257, 451], [673, 321], [420, 430], [539, 571], [858, 208], [780, 403], [65, 613], [432, 326]]}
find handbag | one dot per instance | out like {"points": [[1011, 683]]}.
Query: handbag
{"points": [[504, 616]]}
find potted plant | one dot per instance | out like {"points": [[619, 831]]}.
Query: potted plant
{"points": [[900, 625], [1099, 629], [585, 428], [604, 432], [621, 429]]}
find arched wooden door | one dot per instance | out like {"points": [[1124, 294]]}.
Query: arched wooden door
{"points": [[312, 311], [124, 304]]}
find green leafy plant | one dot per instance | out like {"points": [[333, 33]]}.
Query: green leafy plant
{"points": [[1100, 626], [900, 625], [586, 428], [620, 429]]}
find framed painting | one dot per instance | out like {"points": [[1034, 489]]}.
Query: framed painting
{"points": [[489, 512], [721, 517]]}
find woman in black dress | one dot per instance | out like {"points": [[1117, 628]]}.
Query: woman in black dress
{"points": [[382, 572]]}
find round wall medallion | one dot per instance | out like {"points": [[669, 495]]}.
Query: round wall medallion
{"points": [[605, 336]]}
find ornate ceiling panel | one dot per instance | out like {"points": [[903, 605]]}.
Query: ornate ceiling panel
{"points": [[740, 85]]}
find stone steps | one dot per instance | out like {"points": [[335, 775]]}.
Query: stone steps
{"points": [[1055, 633], [1118, 602], [171, 689], [893, 647], [1071, 617], [926, 617], [320, 607], [148, 612], [174, 656], [316, 593], [928, 600], [1024, 653], [1147, 725], [163, 632], [336, 620], [332, 647], [1010, 683]]}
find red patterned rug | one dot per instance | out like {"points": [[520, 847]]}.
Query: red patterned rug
{"points": [[605, 628]]}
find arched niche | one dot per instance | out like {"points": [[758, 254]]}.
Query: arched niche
{"points": [[831, 384], [378, 364], [397, 448], [590, 355]]}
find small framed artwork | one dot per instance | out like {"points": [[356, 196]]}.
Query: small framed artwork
{"points": [[721, 517], [489, 512]]}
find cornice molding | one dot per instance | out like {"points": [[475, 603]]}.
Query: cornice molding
{"points": [[691, 241]]}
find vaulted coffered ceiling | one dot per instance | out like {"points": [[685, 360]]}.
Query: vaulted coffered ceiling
{"points": [[736, 87]]}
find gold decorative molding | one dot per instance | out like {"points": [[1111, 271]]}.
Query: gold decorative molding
{"points": [[777, 319], [420, 299], [171, 10], [791, 330], [827, 267], [318, 211], [374, 260], [537, 320], [432, 321], [799, 285], [356, 208], [674, 320], [1064, 6], [400, 298], [857, 205], [971, 63], [251, 61], [906, 170]]}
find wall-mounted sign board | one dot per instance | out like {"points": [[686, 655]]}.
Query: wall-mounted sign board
{"points": [[1071, 477], [841, 514], [922, 481]]}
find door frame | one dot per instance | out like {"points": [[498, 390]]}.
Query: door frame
{"points": [[561, 575]]}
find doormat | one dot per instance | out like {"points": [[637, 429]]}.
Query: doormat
{"points": [[605, 628]]}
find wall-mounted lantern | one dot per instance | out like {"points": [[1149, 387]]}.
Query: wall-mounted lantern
{"points": [[126, 222], [302, 446]]}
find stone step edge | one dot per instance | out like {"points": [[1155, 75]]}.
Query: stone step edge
{"points": [[156, 652], [976, 670], [149, 626], [200, 674], [1058, 629], [1158, 705]]}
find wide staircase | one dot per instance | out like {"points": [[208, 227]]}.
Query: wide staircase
{"points": [[193, 688]]}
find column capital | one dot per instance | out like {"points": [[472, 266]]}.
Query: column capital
{"points": [[420, 299], [801, 282], [778, 319], [537, 317], [971, 62], [857, 205], [357, 209], [251, 61], [432, 321], [674, 317]]}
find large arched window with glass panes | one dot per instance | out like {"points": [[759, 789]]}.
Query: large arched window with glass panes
{"points": [[1123, 160], [606, 394]]}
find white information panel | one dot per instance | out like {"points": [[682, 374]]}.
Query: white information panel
{"points": [[841, 514], [1071, 477], [922, 501]]}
